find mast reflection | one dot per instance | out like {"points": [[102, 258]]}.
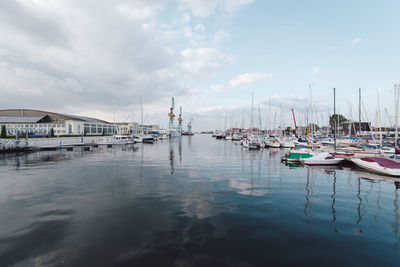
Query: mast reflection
{"points": [[333, 196], [307, 208], [396, 215]]}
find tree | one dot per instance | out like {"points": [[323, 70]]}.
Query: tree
{"points": [[289, 130], [339, 119], [3, 131], [313, 126], [52, 132], [84, 132]]}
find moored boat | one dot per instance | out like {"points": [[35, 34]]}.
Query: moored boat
{"points": [[379, 165], [321, 159]]}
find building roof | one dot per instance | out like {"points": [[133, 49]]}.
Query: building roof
{"points": [[21, 119], [52, 115]]}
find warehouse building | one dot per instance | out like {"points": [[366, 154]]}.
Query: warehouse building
{"points": [[40, 123]]}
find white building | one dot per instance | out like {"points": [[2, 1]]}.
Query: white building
{"points": [[40, 123], [148, 128], [127, 128]]}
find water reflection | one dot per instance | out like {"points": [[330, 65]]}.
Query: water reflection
{"points": [[396, 217], [171, 156], [333, 202], [225, 205], [307, 208]]}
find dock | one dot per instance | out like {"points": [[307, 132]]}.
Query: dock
{"points": [[41, 144]]}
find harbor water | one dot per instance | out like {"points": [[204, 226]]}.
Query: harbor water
{"points": [[192, 201]]}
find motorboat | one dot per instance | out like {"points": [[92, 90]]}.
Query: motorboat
{"points": [[116, 140], [286, 143], [144, 138], [296, 155], [236, 137], [321, 159], [379, 165], [163, 136], [272, 143]]}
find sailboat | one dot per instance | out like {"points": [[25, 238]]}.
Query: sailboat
{"points": [[142, 137]]}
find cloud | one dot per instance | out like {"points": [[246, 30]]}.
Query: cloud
{"points": [[200, 27], [72, 56], [298, 102], [248, 78], [204, 8], [356, 40], [220, 35], [202, 62], [316, 70]]}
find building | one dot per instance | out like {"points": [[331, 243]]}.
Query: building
{"points": [[127, 128], [353, 128], [149, 128], [40, 123]]}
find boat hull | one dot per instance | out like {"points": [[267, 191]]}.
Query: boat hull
{"points": [[376, 168]]}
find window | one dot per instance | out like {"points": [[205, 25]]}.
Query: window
{"points": [[93, 128]]}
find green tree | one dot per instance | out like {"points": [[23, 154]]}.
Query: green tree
{"points": [[289, 130], [84, 132], [339, 119], [52, 132], [313, 126], [3, 131]]}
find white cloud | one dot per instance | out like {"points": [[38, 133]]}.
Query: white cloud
{"points": [[316, 70], [216, 87], [202, 62], [299, 102], [356, 40], [214, 109], [204, 8], [199, 27], [248, 78], [220, 35]]}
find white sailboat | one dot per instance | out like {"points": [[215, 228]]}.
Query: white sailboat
{"points": [[142, 137]]}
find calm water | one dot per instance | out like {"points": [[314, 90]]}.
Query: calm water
{"points": [[193, 202]]}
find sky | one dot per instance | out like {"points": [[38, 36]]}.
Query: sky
{"points": [[100, 58]]}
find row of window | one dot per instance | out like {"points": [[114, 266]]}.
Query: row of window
{"points": [[41, 125], [13, 132]]}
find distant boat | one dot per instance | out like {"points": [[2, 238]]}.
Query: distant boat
{"points": [[144, 138], [379, 165], [117, 140]]}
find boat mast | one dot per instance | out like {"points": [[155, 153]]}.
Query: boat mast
{"points": [[141, 115], [308, 132], [269, 116], [294, 120], [252, 102], [379, 121], [359, 110], [311, 114], [112, 106], [334, 116], [259, 115], [396, 107]]}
